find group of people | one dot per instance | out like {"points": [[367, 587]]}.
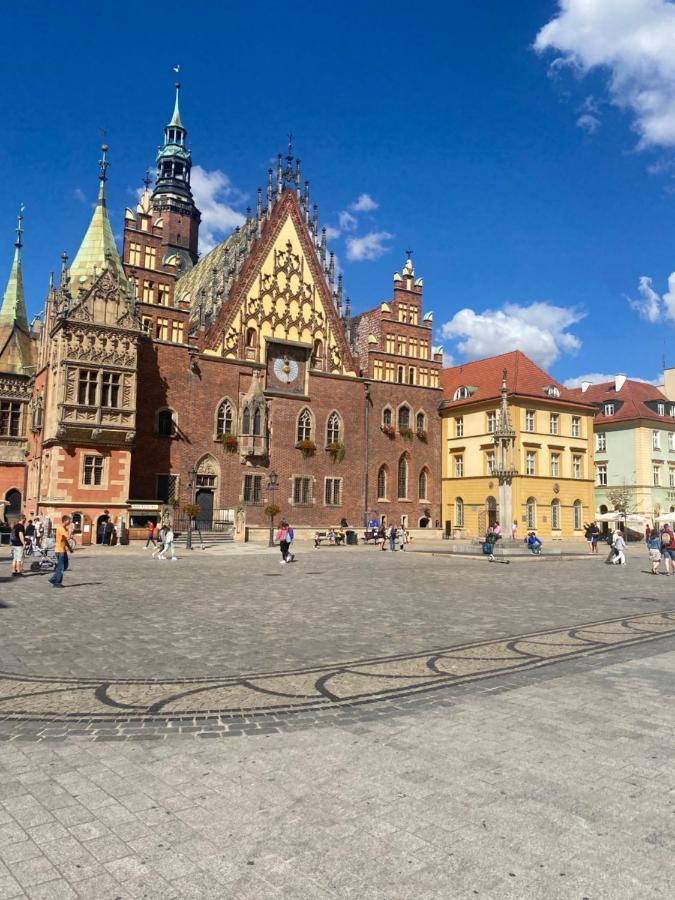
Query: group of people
{"points": [[285, 536], [396, 536], [25, 533], [661, 546], [161, 537]]}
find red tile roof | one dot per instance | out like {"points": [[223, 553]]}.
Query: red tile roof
{"points": [[630, 402], [523, 377]]}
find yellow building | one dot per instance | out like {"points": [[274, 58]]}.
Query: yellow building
{"points": [[517, 448]]}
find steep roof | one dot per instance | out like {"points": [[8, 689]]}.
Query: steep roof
{"points": [[196, 285], [17, 348], [483, 378], [97, 250], [633, 400]]}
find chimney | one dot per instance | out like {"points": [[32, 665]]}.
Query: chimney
{"points": [[585, 386], [619, 381]]}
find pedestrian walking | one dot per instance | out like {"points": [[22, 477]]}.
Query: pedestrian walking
{"points": [[514, 530], [168, 547], [592, 534], [381, 541], [161, 542], [619, 545], [119, 530], [654, 549], [282, 540], [401, 538], [17, 542], [61, 547], [667, 539], [291, 538], [392, 537], [151, 536]]}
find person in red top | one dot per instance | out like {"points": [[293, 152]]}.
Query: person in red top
{"points": [[668, 547], [151, 536]]}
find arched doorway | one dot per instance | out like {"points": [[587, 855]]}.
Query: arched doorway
{"points": [[491, 510], [13, 507], [605, 525], [101, 523], [206, 485]]}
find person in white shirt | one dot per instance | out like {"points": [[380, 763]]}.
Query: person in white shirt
{"points": [[168, 545]]}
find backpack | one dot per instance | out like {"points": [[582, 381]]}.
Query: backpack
{"points": [[665, 539], [291, 535]]}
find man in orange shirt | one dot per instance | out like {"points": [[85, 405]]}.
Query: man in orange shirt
{"points": [[61, 550]]}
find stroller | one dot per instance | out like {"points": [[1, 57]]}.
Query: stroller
{"points": [[46, 556]]}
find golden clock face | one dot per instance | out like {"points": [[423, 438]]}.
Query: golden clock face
{"points": [[286, 370]]}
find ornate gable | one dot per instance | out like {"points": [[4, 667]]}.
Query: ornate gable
{"points": [[105, 303], [281, 294]]}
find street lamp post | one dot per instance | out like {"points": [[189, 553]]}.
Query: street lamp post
{"points": [[272, 485], [192, 475]]}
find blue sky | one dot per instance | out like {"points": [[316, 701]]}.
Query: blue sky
{"points": [[534, 183]]}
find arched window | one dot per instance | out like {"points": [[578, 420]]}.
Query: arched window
{"points": [[333, 428], [246, 421], [225, 418], [459, 513], [404, 417], [386, 416], [251, 337], [382, 483], [531, 507], [578, 515], [555, 515], [165, 423], [402, 478], [305, 425], [421, 421], [461, 393], [422, 485], [256, 421]]}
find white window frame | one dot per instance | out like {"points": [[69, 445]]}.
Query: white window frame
{"points": [[609, 409], [530, 420], [459, 426], [600, 442], [656, 440], [576, 466], [530, 463], [459, 465], [601, 475], [553, 423], [576, 426]]}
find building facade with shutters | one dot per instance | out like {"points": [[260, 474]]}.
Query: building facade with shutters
{"points": [[156, 379]]}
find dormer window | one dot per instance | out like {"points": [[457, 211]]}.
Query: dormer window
{"points": [[552, 391], [661, 409], [608, 409], [462, 393]]}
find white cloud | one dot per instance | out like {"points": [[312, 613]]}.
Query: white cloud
{"points": [[214, 196], [649, 304], [79, 194], [632, 41], [364, 203], [539, 330], [347, 221], [602, 377], [448, 360], [588, 123], [368, 247], [332, 233], [652, 306]]}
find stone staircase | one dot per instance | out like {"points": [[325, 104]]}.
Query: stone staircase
{"points": [[206, 540]]}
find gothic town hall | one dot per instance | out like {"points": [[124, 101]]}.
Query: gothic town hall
{"points": [[156, 379]]}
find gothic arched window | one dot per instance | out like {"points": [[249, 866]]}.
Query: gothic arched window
{"points": [[225, 418], [386, 416], [382, 483], [555, 515], [423, 485], [333, 428], [531, 507], [402, 478], [305, 425], [421, 421], [256, 421], [246, 422], [404, 417]]}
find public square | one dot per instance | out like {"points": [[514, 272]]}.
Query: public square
{"points": [[355, 724]]}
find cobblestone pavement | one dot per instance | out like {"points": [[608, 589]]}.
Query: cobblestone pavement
{"points": [[549, 776]]}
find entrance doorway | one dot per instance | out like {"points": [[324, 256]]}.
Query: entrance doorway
{"points": [[491, 509], [204, 501], [13, 508], [101, 523]]}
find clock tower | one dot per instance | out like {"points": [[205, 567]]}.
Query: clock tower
{"points": [[287, 368]]}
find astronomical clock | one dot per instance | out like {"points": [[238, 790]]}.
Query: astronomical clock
{"points": [[287, 367]]}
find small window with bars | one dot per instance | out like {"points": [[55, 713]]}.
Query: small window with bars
{"points": [[167, 488], [10, 418], [92, 470], [253, 489], [333, 493], [302, 491]]}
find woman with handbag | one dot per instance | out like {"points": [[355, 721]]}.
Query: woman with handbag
{"points": [[63, 544]]}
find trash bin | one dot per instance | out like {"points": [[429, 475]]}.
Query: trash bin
{"points": [[352, 537]]}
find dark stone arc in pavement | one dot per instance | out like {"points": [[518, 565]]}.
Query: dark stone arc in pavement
{"points": [[297, 690]]}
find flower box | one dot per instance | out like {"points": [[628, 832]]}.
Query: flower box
{"points": [[336, 450], [421, 435], [406, 433], [307, 448], [229, 442], [389, 430]]}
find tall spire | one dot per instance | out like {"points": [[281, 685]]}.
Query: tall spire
{"points": [[97, 251], [174, 161], [13, 310]]}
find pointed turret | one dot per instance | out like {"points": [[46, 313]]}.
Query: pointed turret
{"points": [[97, 251], [13, 309], [174, 160], [17, 349]]}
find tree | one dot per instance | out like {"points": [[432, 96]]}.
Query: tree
{"points": [[622, 498]]}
